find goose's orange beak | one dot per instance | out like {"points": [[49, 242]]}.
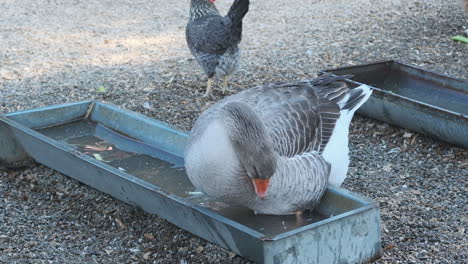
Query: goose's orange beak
{"points": [[261, 187]]}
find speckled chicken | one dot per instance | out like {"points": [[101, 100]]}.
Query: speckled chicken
{"points": [[214, 40]]}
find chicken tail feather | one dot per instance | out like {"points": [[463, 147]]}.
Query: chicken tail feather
{"points": [[236, 13]]}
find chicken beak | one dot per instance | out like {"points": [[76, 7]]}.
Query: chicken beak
{"points": [[261, 187]]}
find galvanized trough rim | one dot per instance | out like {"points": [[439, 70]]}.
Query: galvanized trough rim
{"points": [[401, 97], [364, 201], [127, 176]]}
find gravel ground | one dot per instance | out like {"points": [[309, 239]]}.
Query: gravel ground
{"points": [[133, 53]]}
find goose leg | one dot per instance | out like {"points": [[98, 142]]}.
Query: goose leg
{"points": [[209, 85], [300, 218]]}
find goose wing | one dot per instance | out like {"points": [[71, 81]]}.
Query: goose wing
{"points": [[300, 116]]}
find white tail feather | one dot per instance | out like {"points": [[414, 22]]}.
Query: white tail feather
{"points": [[337, 152]]}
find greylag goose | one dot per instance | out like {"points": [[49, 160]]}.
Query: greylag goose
{"points": [[274, 148]]}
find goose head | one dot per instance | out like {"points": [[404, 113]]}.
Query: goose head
{"points": [[259, 163], [252, 144]]}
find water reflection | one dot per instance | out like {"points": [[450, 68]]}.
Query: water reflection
{"points": [[165, 171]]}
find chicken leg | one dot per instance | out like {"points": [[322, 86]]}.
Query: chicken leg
{"points": [[209, 85], [225, 84]]}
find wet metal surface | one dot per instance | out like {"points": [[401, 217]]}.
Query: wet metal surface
{"points": [[141, 168], [410, 97], [162, 169]]}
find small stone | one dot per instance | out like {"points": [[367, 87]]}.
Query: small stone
{"points": [[147, 105], [394, 150], [387, 167], [182, 250], [134, 250]]}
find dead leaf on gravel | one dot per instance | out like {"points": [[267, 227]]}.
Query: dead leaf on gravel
{"points": [[407, 135], [464, 218], [149, 236], [120, 223], [53, 236], [389, 246], [24, 197], [464, 163], [199, 249], [32, 177], [8, 75], [147, 255], [12, 175]]}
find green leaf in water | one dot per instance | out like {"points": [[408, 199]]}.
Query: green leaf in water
{"points": [[98, 157]]}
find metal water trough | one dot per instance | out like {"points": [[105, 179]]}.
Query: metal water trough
{"points": [[345, 228], [414, 98]]}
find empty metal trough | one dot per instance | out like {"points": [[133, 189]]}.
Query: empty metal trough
{"points": [[414, 98]]}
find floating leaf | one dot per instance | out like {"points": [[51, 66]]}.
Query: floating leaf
{"points": [[95, 148], [98, 157]]}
